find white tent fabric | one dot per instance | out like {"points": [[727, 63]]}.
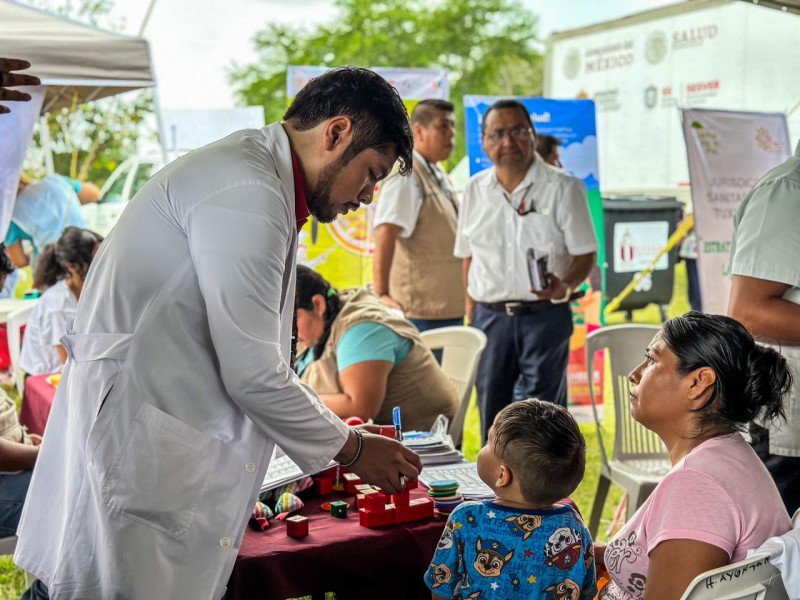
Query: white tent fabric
{"points": [[72, 57]]}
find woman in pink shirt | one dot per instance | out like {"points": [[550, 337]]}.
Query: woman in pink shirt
{"points": [[703, 379]]}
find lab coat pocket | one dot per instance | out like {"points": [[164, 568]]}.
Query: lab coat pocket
{"points": [[156, 478]]}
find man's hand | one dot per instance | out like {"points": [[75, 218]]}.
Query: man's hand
{"points": [[35, 438], [9, 79], [386, 463], [555, 290], [391, 302]]}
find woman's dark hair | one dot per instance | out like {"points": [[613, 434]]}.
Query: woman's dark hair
{"points": [[379, 117], [750, 378], [309, 284], [75, 246]]}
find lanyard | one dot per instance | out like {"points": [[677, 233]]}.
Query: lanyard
{"points": [[442, 184], [521, 210]]}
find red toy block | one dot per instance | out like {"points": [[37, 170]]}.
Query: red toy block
{"points": [[376, 519], [351, 480], [375, 502], [412, 484], [323, 485], [401, 498], [417, 509], [387, 431], [297, 526]]}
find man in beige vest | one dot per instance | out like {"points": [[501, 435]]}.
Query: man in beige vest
{"points": [[415, 225]]}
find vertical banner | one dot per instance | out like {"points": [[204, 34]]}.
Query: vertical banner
{"points": [[572, 122], [728, 152], [342, 251], [16, 131]]}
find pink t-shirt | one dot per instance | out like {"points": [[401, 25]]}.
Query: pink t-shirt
{"points": [[720, 493]]}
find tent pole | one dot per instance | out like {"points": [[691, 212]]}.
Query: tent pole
{"points": [[47, 145]]}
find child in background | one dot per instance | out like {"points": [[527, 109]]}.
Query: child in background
{"points": [[61, 270], [523, 544]]}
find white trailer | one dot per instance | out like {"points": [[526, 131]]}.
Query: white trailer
{"points": [[728, 54]]}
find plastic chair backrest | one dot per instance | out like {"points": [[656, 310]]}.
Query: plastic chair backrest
{"points": [[461, 352], [625, 347], [16, 320], [751, 579]]}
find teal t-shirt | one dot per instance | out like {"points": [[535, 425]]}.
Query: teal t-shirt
{"points": [[361, 343], [371, 341], [15, 234]]}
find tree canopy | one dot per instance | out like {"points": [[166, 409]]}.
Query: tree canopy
{"points": [[488, 46]]}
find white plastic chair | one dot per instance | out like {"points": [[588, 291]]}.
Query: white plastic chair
{"points": [[16, 320], [639, 460], [751, 579], [461, 352]]}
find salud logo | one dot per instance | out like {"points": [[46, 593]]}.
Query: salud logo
{"points": [[655, 47], [572, 63], [650, 96]]}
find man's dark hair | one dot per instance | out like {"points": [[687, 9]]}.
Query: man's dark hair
{"points": [[507, 103], [542, 445], [545, 144], [425, 110], [380, 120]]}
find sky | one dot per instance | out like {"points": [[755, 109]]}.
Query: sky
{"points": [[194, 42]]}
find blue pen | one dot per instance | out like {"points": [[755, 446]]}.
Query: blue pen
{"points": [[398, 427]]}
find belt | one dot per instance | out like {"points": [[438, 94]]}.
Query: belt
{"points": [[520, 307]]}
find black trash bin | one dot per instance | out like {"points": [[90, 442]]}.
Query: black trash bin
{"points": [[636, 229]]}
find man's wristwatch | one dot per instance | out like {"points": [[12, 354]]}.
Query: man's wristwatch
{"points": [[565, 298]]}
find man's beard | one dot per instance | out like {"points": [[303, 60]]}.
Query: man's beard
{"points": [[319, 202]]}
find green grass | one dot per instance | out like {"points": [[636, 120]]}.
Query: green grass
{"points": [[12, 579]]}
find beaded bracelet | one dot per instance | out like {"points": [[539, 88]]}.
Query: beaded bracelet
{"points": [[359, 448]]}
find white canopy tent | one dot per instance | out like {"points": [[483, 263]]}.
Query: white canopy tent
{"points": [[72, 59]]}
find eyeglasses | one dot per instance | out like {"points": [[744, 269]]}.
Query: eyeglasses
{"points": [[518, 133]]}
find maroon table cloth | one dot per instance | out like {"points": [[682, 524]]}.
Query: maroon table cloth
{"points": [[36, 402], [338, 555]]}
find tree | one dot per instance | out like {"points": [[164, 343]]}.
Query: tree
{"points": [[88, 141], [488, 46]]}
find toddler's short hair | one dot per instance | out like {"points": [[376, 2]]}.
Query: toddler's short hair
{"points": [[542, 445]]}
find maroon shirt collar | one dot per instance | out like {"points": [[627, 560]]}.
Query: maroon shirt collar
{"points": [[300, 206]]}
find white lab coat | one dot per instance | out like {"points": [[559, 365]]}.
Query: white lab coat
{"points": [[178, 384]]}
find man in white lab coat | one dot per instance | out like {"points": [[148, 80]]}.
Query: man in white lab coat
{"points": [[178, 384]]}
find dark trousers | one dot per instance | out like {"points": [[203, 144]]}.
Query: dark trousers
{"points": [[785, 470], [535, 346]]}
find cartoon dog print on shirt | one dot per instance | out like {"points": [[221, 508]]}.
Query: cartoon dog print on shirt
{"points": [[441, 575], [564, 590], [492, 558], [563, 548], [524, 525], [446, 541]]}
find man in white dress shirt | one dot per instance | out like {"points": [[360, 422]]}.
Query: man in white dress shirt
{"points": [[520, 205], [178, 385]]}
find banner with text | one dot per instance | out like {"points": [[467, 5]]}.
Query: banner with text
{"points": [[728, 152], [572, 122], [342, 251]]}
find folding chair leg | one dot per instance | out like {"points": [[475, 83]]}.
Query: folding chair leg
{"points": [[636, 500], [603, 484]]}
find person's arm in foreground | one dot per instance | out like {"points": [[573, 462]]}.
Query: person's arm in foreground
{"points": [[17, 457], [9, 79], [675, 563], [758, 304]]}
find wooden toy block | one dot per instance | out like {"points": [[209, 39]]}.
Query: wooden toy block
{"points": [[375, 502], [323, 485], [387, 431], [363, 488], [417, 509], [351, 480], [339, 509], [401, 498], [297, 526], [412, 484], [377, 519]]}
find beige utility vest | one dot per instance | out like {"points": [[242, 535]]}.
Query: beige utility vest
{"points": [[417, 385], [426, 279]]}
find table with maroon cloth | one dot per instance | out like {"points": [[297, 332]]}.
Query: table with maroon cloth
{"points": [[337, 556], [36, 402]]}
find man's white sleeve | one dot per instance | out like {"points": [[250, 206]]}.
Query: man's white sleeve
{"points": [[462, 247], [575, 220], [399, 203], [238, 241]]}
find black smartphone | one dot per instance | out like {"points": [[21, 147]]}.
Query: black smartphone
{"points": [[537, 271]]}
